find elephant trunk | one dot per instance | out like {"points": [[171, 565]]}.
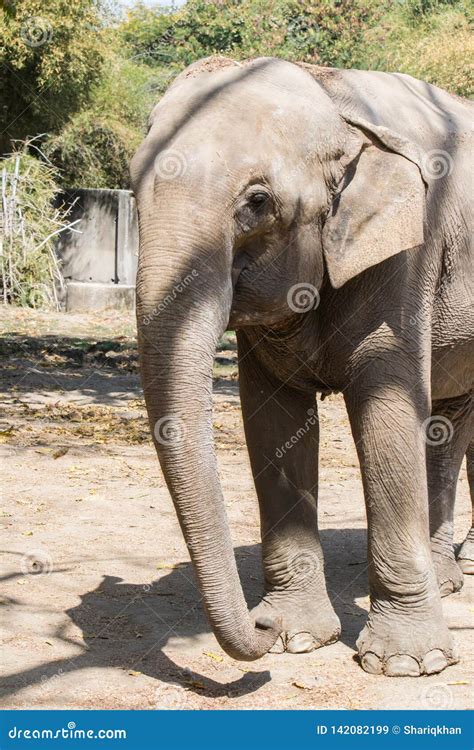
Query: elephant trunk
{"points": [[184, 295]]}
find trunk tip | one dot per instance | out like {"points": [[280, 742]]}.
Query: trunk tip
{"points": [[266, 631]]}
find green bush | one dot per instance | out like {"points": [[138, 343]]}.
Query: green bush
{"points": [[325, 32], [417, 10], [51, 55], [430, 39], [148, 35], [93, 151], [128, 90], [94, 148], [436, 46]]}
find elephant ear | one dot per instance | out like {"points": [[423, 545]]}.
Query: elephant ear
{"points": [[378, 210]]}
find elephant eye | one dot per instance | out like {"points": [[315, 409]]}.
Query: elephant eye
{"points": [[253, 211], [258, 199]]}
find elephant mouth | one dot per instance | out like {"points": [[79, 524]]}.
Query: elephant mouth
{"points": [[250, 305], [237, 315], [245, 310], [241, 263], [235, 277]]}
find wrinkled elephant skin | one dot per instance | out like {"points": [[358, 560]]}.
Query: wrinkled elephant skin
{"points": [[324, 215]]}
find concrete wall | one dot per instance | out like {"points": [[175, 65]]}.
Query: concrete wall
{"points": [[104, 249]]}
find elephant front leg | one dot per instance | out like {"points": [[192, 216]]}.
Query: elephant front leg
{"points": [[282, 433], [405, 633]]}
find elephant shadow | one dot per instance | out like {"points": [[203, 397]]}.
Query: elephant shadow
{"points": [[127, 626]]}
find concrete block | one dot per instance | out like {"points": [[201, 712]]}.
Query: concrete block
{"points": [[103, 245], [127, 238], [88, 296]]}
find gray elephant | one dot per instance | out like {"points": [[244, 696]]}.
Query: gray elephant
{"points": [[323, 214]]}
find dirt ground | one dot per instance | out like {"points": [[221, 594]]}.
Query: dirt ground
{"points": [[99, 604]]}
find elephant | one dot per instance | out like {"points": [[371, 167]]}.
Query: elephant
{"points": [[322, 214]]}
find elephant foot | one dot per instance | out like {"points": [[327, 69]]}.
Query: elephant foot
{"points": [[306, 625], [402, 645], [449, 574], [466, 554]]}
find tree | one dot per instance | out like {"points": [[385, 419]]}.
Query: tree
{"points": [[51, 55], [326, 32]]}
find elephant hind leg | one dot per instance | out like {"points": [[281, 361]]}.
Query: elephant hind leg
{"points": [[448, 433], [466, 552]]}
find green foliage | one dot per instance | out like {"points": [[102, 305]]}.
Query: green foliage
{"points": [[51, 55], [418, 10], [93, 151], [325, 32], [428, 39], [128, 90], [148, 35], [29, 273], [95, 147]]}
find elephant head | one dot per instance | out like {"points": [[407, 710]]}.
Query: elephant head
{"points": [[249, 184]]}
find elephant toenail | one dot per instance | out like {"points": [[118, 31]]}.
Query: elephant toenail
{"points": [[300, 643], [434, 661], [467, 566], [402, 665], [370, 662]]}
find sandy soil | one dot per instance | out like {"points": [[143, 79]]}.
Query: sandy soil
{"points": [[99, 604]]}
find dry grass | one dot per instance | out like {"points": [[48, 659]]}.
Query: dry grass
{"points": [[29, 271]]}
